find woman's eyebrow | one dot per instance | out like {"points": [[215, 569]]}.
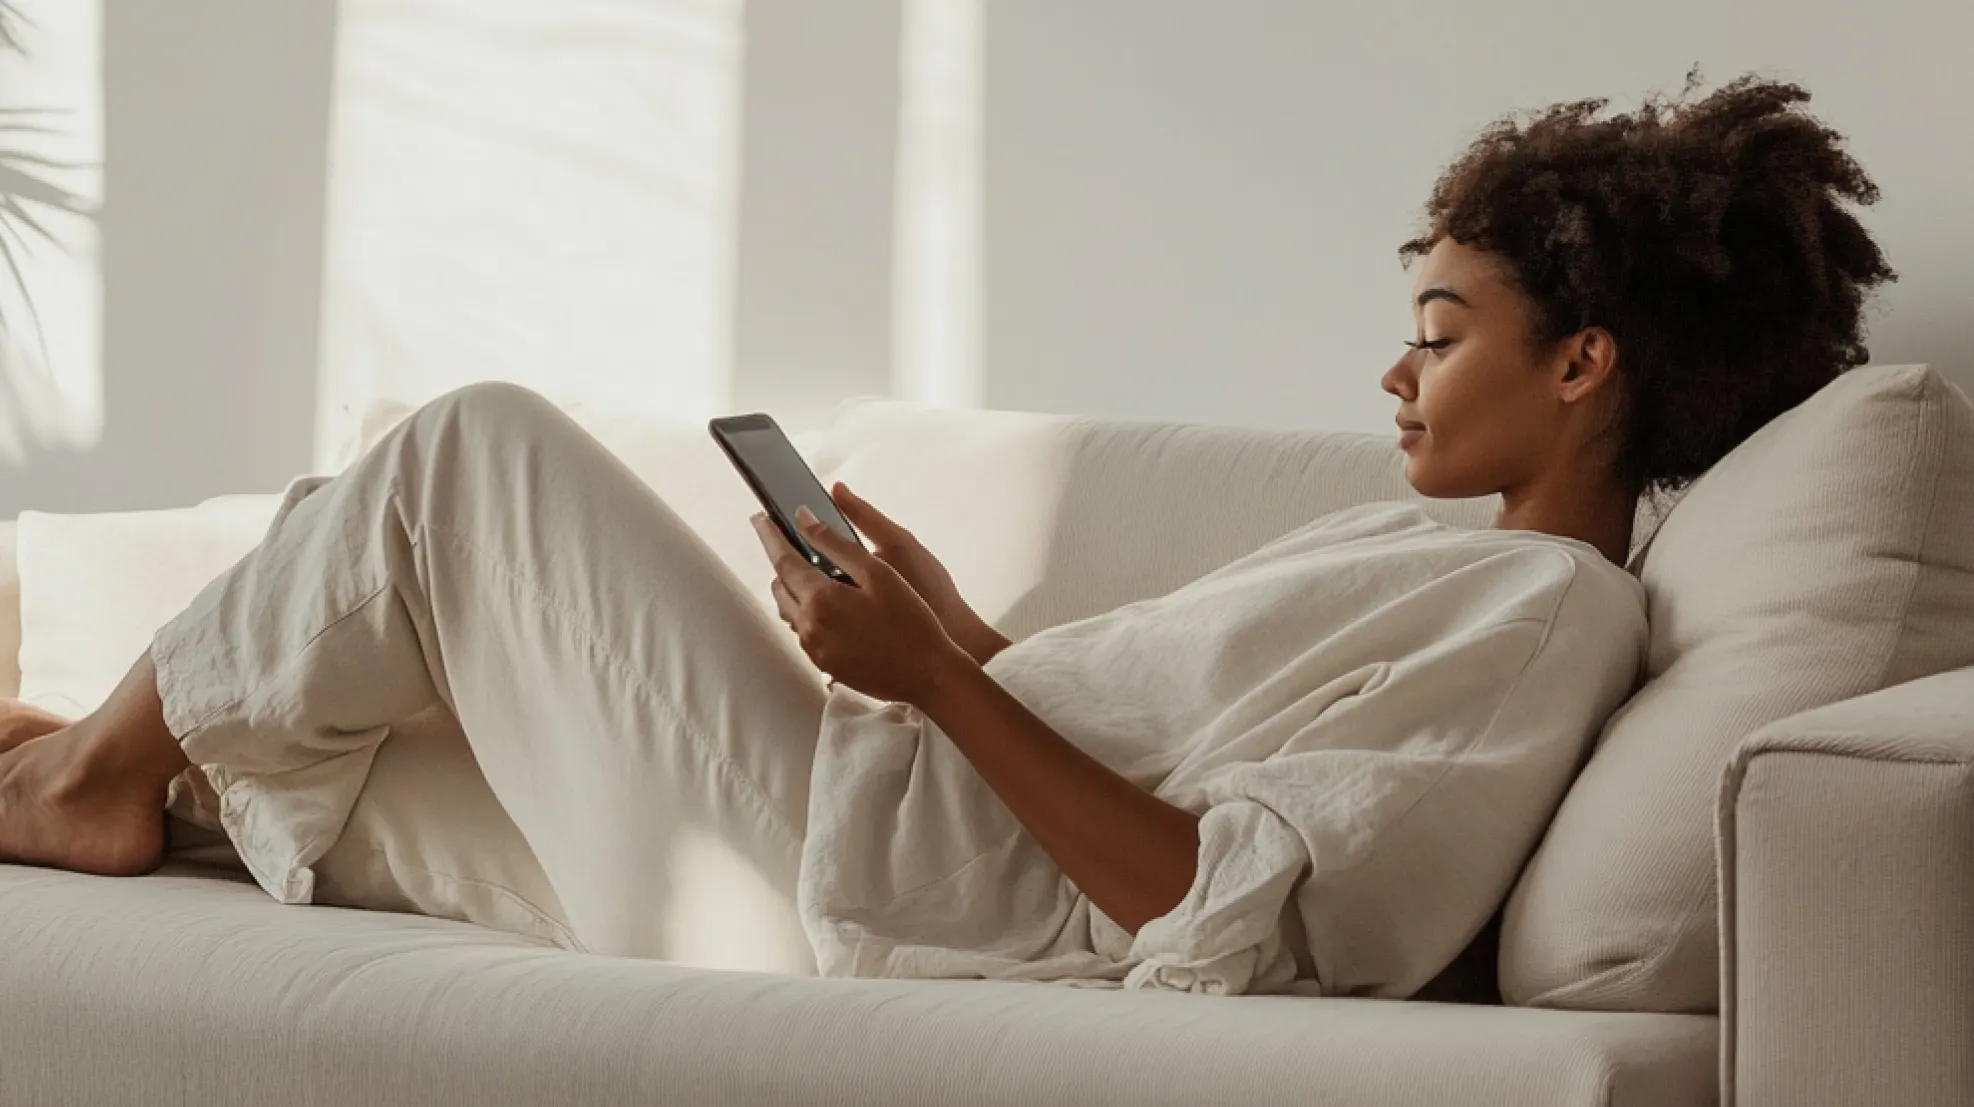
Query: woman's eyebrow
{"points": [[1431, 294]]}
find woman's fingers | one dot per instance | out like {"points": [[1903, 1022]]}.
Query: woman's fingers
{"points": [[847, 555], [867, 517], [797, 576], [785, 604]]}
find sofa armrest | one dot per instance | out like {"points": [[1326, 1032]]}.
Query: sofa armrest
{"points": [[1847, 903]]}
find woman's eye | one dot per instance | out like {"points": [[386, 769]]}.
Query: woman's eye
{"points": [[1434, 346]]}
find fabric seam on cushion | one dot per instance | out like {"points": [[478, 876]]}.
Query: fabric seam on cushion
{"points": [[1789, 744], [1727, 870], [1923, 543], [1689, 919]]}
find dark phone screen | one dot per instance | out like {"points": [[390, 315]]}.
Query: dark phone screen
{"points": [[786, 478]]}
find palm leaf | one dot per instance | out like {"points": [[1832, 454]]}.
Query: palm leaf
{"points": [[26, 123], [17, 185], [11, 22], [36, 161], [19, 188], [18, 217], [7, 254], [24, 186]]}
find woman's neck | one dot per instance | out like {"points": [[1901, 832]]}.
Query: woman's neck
{"points": [[1601, 517]]}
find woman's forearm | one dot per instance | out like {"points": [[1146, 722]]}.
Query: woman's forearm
{"points": [[1132, 853], [982, 642]]}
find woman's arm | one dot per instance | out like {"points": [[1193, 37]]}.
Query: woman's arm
{"points": [[1132, 853], [901, 549], [981, 642]]}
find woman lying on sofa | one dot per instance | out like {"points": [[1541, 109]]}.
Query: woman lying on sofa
{"points": [[1326, 761]]}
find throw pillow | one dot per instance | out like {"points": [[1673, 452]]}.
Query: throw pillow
{"points": [[1830, 555]]}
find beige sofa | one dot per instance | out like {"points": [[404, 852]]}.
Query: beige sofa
{"points": [[1760, 892]]}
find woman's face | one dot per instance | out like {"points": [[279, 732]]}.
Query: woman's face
{"points": [[1478, 410]]}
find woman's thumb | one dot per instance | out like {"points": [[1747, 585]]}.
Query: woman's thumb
{"points": [[882, 531], [856, 507]]}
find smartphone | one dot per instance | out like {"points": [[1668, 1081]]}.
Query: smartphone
{"points": [[782, 481]]}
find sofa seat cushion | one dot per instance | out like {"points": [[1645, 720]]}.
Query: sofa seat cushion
{"points": [[185, 987]]}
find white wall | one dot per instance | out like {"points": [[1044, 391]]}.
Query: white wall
{"points": [[812, 273], [215, 114], [219, 126], [536, 191], [1192, 208]]}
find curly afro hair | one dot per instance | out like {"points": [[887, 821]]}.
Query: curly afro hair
{"points": [[1707, 235]]}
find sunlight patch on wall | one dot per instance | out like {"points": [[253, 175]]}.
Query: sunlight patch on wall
{"points": [[936, 253], [721, 912], [51, 293], [537, 191]]}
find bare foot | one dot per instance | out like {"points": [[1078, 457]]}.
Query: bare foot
{"points": [[58, 810], [21, 721]]}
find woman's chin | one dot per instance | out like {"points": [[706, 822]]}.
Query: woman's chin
{"points": [[1431, 482], [1418, 474]]}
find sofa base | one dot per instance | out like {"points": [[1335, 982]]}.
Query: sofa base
{"points": [[192, 987]]}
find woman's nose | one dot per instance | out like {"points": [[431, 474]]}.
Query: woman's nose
{"points": [[1401, 381]]}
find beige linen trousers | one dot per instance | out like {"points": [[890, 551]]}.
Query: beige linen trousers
{"points": [[487, 674]]}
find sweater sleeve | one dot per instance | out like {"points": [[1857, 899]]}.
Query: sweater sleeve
{"points": [[1397, 817]]}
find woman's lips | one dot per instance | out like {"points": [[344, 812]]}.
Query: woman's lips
{"points": [[1409, 434]]}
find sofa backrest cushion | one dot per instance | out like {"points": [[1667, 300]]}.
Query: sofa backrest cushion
{"points": [[95, 587], [1830, 555], [1045, 519]]}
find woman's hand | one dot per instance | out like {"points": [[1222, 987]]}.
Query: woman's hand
{"points": [[877, 636], [900, 549]]}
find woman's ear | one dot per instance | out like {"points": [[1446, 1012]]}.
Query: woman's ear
{"points": [[1590, 357]]}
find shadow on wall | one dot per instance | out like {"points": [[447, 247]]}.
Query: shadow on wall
{"points": [[211, 257], [49, 156]]}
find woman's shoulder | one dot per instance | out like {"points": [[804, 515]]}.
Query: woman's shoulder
{"points": [[1377, 519], [1413, 520], [1543, 561], [1587, 597]]}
